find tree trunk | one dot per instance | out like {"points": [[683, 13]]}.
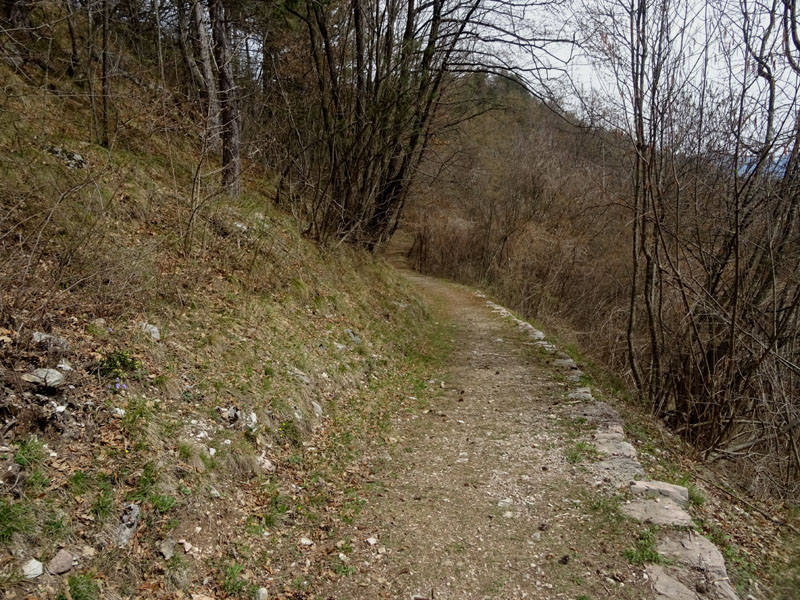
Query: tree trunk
{"points": [[231, 165], [104, 77], [202, 45]]}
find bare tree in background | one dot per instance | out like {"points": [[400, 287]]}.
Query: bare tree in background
{"points": [[229, 111], [375, 99], [714, 292]]}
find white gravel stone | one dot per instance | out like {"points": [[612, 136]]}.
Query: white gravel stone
{"points": [[32, 569]]}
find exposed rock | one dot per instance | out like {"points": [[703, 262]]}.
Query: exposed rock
{"points": [[582, 393], [304, 541], [694, 551], [100, 322], [317, 408], [130, 521], [617, 470], [60, 563], [214, 492], [565, 363], [32, 569], [722, 590], [678, 493], [657, 512], [262, 594], [266, 463], [599, 413], [73, 160], [353, 337], [667, 587], [53, 343], [45, 377], [238, 417], [301, 376], [150, 330], [613, 444], [167, 548], [575, 376]]}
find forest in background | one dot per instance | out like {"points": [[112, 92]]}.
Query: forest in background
{"points": [[655, 214]]}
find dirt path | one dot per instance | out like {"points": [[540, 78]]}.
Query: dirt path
{"points": [[479, 499]]}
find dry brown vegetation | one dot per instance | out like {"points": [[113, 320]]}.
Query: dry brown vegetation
{"points": [[539, 210]]}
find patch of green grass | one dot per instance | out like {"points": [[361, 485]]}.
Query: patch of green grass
{"points": [[676, 476], [341, 568], [576, 427], [289, 431], [81, 587], [162, 503], [119, 363], [30, 452], [55, 527], [36, 482], [352, 506], [254, 525], [15, 517], [458, 547], [787, 579], [696, 498], [645, 550], [581, 451], [279, 505], [144, 485], [232, 583], [137, 414], [96, 331], [210, 462], [104, 502], [606, 508], [185, 451], [79, 483]]}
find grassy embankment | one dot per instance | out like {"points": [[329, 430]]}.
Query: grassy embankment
{"points": [[252, 317]]}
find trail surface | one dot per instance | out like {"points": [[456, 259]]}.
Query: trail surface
{"points": [[479, 499]]}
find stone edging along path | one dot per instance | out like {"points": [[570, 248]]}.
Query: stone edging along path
{"points": [[693, 568]]}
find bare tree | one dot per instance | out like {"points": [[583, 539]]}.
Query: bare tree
{"points": [[229, 113]]}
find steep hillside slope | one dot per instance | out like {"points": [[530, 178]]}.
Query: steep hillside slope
{"points": [[183, 378]]}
